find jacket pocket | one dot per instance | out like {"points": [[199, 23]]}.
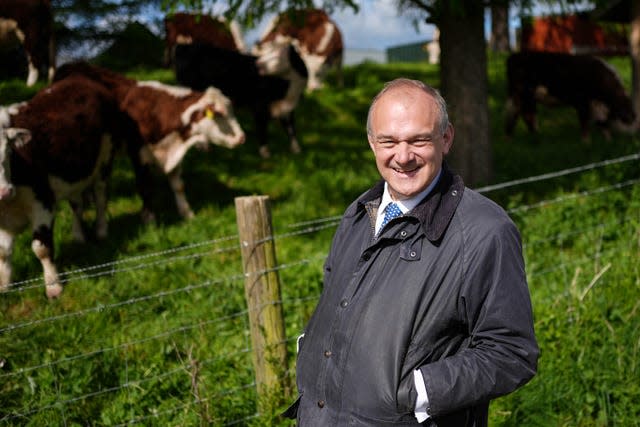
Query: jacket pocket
{"points": [[407, 395]]}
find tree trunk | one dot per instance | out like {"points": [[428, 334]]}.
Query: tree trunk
{"points": [[634, 50], [500, 27], [464, 84]]}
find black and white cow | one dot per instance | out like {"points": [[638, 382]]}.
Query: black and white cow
{"points": [[583, 82], [269, 86], [55, 147]]}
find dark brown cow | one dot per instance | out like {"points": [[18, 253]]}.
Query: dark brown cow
{"points": [[584, 82], [168, 121], [316, 36], [186, 28], [30, 23], [55, 147]]}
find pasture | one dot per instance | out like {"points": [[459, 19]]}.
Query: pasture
{"points": [[152, 327]]}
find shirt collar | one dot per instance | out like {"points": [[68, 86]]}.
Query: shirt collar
{"points": [[407, 204]]}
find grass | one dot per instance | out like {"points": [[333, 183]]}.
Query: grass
{"points": [[163, 340]]}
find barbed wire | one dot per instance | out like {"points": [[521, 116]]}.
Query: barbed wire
{"points": [[160, 294], [128, 344], [309, 227], [312, 227], [134, 258], [557, 174], [576, 195], [111, 272]]}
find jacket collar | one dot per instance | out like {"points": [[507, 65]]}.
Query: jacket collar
{"points": [[434, 212]]}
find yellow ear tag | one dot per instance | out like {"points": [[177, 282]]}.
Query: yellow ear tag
{"points": [[210, 113]]}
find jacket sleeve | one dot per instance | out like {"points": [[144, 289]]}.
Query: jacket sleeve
{"points": [[501, 351]]}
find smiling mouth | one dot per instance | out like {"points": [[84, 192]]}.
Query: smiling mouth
{"points": [[405, 172]]}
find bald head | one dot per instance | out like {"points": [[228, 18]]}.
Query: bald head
{"points": [[409, 85]]}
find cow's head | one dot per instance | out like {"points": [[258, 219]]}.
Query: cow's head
{"points": [[212, 118], [10, 138], [623, 112]]}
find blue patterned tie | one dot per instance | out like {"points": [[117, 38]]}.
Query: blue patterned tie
{"points": [[391, 211]]}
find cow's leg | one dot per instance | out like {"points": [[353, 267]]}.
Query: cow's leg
{"points": [[288, 123], [144, 179], [42, 246], [528, 107], [584, 118], [77, 229], [512, 114], [100, 195], [51, 59], [261, 120], [6, 248], [32, 78], [100, 188], [177, 185]]}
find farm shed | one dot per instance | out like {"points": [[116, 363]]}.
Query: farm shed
{"points": [[575, 34]]}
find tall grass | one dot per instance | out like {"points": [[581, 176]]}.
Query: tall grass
{"points": [[164, 340]]}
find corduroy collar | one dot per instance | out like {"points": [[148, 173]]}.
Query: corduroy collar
{"points": [[434, 212]]}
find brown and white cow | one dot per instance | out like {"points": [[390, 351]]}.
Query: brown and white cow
{"points": [[57, 146], [586, 83], [187, 28], [29, 23], [316, 36], [168, 121]]}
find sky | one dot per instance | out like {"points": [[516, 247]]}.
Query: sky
{"points": [[376, 26]]}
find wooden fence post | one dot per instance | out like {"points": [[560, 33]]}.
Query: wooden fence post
{"points": [[262, 291]]}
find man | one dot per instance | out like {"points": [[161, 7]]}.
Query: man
{"points": [[425, 317]]}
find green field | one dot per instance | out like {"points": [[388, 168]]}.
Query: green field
{"points": [[152, 326]]}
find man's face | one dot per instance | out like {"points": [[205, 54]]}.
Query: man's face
{"points": [[406, 141]]}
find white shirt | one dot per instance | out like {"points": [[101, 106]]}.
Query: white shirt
{"points": [[422, 401]]}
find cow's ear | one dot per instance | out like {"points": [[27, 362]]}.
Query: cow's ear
{"points": [[218, 108], [18, 137]]}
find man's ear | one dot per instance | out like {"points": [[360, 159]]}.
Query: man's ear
{"points": [[448, 138], [371, 142]]}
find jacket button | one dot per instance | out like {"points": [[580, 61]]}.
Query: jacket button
{"points": [[327, 353], [344, 303], [413, 254], [320, 403], [454, 193], [403, 233]]}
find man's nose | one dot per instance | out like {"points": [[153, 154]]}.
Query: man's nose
{"points": [[404, 152]]}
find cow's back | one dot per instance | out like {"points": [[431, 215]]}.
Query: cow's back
{"points": [[308, 26], [66, 142], [570, 78], [235, 74]]}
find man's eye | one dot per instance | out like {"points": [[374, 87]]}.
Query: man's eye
{"points": [[386, 143], [420, 142]]}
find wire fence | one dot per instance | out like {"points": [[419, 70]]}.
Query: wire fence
{"points": [[226, 328]]}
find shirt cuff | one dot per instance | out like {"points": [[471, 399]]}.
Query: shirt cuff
{"points": [[422, 401]]}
